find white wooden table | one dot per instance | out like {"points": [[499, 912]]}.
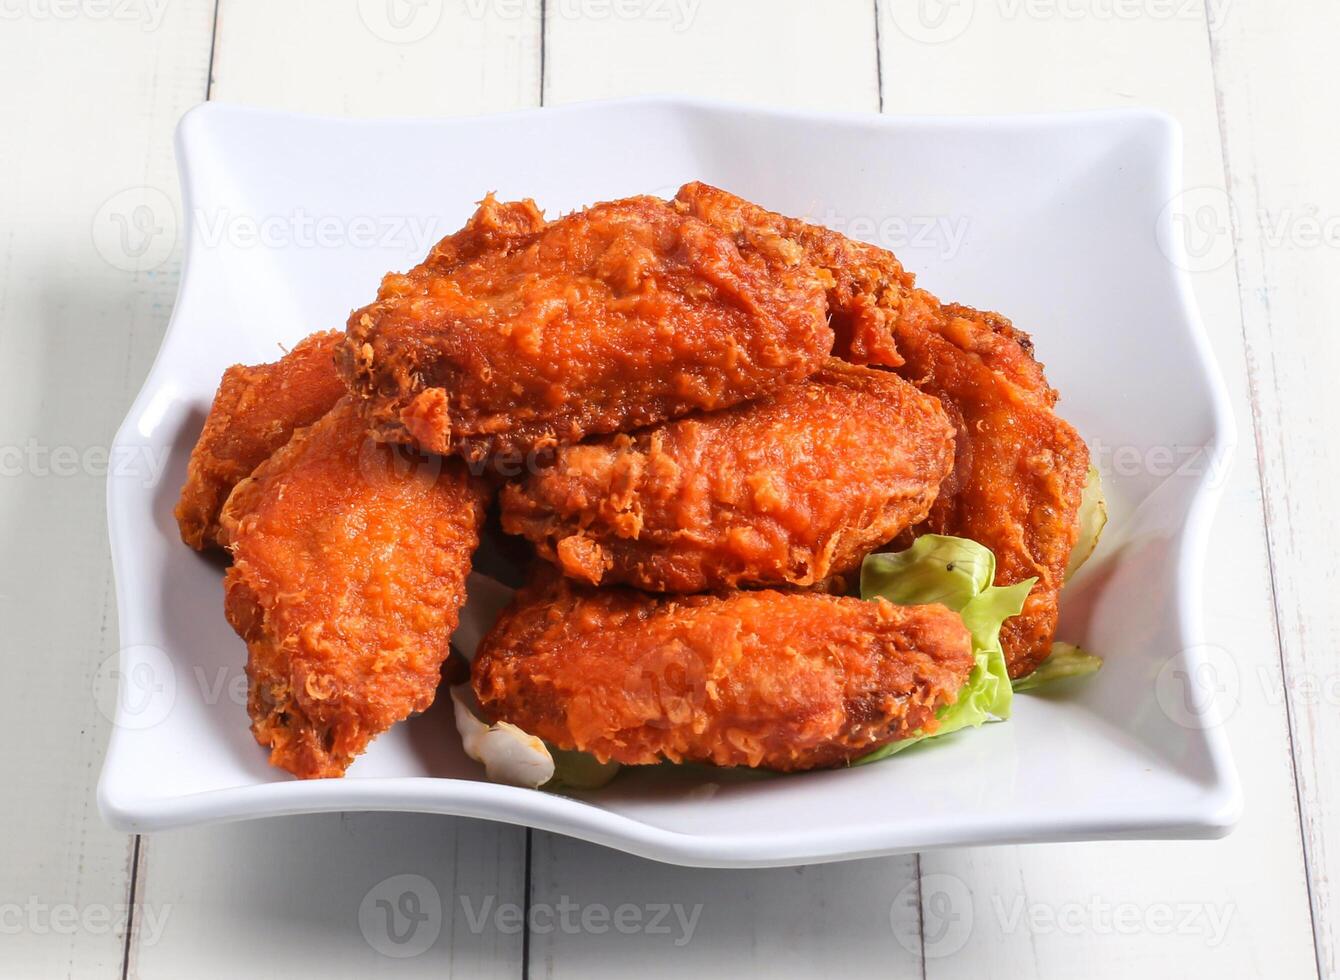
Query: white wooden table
{"points": [[89, 93]]}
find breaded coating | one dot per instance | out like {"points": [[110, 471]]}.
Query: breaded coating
{"points": [[789, 489], [873, 301], [1017, 482], [1020, 469], [784, 681], [514, 337], [349, 567], [254, 412]]}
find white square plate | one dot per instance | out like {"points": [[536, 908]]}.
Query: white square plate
{"points": [[1064, 223]]}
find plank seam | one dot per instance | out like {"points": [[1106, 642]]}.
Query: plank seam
{"points": [[921, 918], [213, 47], [135, 846], [1266, 509], [879, 61], [544, 32], [130, 906], [525, 900]]}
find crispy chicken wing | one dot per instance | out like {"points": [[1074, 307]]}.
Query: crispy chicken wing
{"points": [[513, 336], [784, 681], [255, 411], [790, 489], [1020, 469], [349, 567], [1017, 481]]}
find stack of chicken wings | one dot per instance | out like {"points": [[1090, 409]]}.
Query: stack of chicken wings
{"points": [[703, 416]]}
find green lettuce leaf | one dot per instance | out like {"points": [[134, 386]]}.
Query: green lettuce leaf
{"points": [[955, 572], [1066, 660], [579, 770], [1092, 518], [937, 568]]}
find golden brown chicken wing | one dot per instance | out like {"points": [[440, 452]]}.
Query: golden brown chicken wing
{"points": [[873, 301], [349, 567], [1020, 469], [776, 680], [255, 411], [789, 489], [514, 337], [1017, 480]]}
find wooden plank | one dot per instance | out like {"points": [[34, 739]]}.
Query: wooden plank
{"points": [[836, 920], [1025, 56], [599, 913], [1224, 915], [785, 52], [291, 896], [1273, 84], [379, 57], [88, 268], [335, 895]]}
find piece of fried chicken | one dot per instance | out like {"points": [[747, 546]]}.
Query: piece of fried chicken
{"points": [[515, 336], [349, 567], [1020, 469], [254, 412], [784, 681], [790, 489]]}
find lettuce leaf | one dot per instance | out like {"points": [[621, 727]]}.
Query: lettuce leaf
{"points": [[1092, 518], [955, 572], [579, 770], [1066, 660], [937, 568]]}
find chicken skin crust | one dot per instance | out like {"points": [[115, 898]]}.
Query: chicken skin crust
{"points": [[790, 489], [774, 680], [516, 336], [1020, 469], [254, 412], [349, 567], [1017, 481]]}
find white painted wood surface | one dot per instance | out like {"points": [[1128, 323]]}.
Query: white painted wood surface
{"points": [[87, 108], [308, 897], [378, 57], [313, 873], [781, 52], [87, 113], [1005, 59], [1284, 204]]}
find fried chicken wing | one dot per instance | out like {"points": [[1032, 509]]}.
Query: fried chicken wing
{"points": [[784, 681], [349, 567], [873, 301], [789, 489], [1017, 480], [513, 336], [254, 412], [1020, 469]]}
